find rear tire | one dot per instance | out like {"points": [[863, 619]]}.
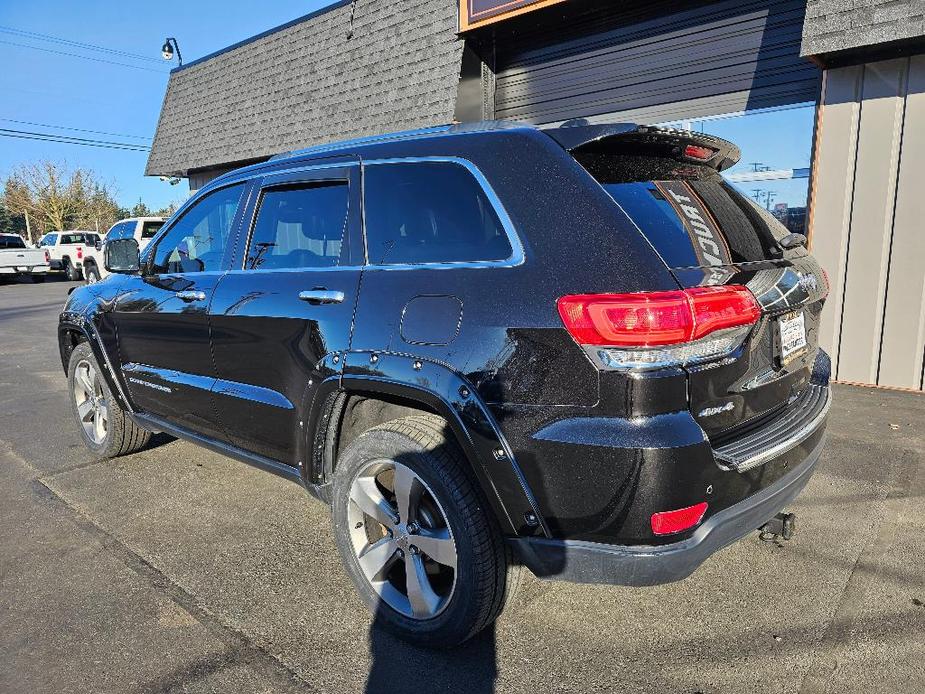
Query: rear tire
{"points": [[452, 586], [71, 272], [104, 426]]}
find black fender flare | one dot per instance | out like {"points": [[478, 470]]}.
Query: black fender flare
{"points": [[450, 395], [70, 323]]}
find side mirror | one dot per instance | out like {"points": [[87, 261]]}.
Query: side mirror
{"points": [[99, 244], [121, 256]]}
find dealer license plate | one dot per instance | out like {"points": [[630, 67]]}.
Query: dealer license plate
{"points": [[792, 336]]}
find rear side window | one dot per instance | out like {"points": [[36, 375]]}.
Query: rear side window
{"points": [[689, 213], [429, 212], [299, 227], [150, 229]]}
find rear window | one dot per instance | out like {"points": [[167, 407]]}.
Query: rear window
{"points": [[150, 229], [11, 242], [73, 238], [430, 212], [689, 213]]}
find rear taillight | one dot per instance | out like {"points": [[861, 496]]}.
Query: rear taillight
{"points": [[654, 329], [670, 522], [47, 257], [80, 253]]}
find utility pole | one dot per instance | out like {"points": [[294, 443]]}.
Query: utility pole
{"points": [[28, 228]]}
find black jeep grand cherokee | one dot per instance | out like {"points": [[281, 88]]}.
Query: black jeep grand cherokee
{"points": [[577, 350]]}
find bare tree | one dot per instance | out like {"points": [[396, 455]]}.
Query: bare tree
{"points": [[53, 197]]}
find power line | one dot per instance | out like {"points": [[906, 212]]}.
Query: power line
{"points": [[69, 140], [85, 57], [78, 44], [79, 130]]}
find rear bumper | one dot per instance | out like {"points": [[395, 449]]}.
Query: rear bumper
{"points": [[591, 562]]}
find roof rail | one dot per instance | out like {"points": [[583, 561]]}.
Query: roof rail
{"points": [[370, 140]]}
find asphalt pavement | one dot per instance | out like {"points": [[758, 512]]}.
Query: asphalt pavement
{"points": [[177, 570]]}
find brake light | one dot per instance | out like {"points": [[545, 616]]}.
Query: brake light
{"points": [[670, 522], [699, 152], [652, 329], [47, 257], [80, 252]]}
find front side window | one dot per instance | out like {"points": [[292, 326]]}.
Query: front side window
{"points": [[429, 212], [299, 226], [197, 242]]}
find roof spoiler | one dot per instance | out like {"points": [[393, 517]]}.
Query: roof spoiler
{"points": [[579, 137]]}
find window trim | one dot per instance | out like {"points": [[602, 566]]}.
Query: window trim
{"points": [[270, 185], [517, 256]]}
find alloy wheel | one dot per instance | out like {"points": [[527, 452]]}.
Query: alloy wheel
{"points": [[92, 405], [402, 539]]}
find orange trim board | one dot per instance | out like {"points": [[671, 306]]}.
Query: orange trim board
{"points": [[479, 13]]}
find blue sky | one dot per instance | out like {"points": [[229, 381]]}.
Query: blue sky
{"points": [[43, 87]]}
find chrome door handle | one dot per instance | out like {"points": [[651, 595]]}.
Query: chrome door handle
{"points": [[191, 295], [321, 296]]}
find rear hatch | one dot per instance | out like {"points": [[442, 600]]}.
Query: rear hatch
{"points": [[708, 234]]}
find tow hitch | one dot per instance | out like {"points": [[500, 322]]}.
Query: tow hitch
{"points": [[782, 525]]}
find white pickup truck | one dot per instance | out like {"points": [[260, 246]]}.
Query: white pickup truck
{"points": [[66, 250], [142, 229], [17, 260]]}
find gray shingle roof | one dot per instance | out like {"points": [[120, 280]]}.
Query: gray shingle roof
{"points": [[307, 83], [832, 26]]}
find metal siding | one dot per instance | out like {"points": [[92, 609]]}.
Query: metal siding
{"points": [[836, 153], [903, 345], [867, 221], [871, 220], [675, 64]]}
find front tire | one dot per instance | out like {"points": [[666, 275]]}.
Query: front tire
{"points": [[104, 426], [414, 534], [92, 274]]}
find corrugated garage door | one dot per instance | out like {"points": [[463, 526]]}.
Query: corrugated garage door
{"points": [[661, 61]]}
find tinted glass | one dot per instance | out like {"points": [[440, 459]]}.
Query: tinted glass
{"points": [[429, 212], [689, 213], [73, 238], [197, 242], [299, 227], [150, 229], [11, 242]]}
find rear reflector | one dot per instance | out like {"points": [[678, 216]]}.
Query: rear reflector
{"points": [[652, 319], [669, 522]]}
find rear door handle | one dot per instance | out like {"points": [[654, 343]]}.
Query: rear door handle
{"points": [[322, 296], [189, 295]]}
